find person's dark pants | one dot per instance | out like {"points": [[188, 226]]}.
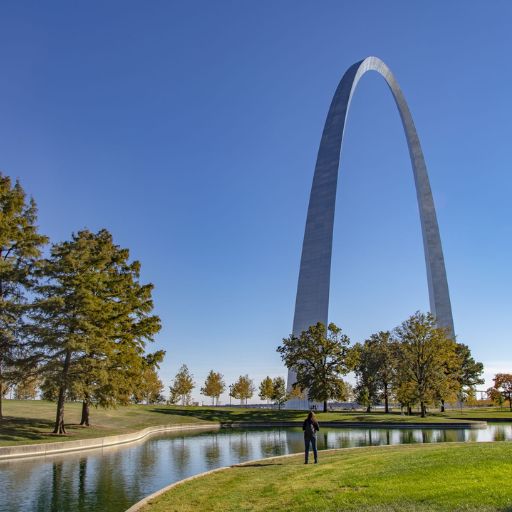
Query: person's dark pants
{"points": [[307, 441]]}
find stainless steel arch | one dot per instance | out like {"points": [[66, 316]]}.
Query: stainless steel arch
{"points": [[312, 302]]}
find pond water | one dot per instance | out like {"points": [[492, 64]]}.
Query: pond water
{"points": [[112, 479]]}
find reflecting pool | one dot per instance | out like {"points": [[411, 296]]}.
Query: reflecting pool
{"points": [[112, 479]]}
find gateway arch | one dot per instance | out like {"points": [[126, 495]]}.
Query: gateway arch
{"points": [[312, 301]]}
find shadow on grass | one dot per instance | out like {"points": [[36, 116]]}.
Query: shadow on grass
{"points": [[271, 415], [14, 429], [256, 465], [225, 415]]}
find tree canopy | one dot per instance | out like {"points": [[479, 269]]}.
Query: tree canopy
{"points": [[278, 395], [503, 386], [424, 352], [91, 321], [20, 250], [182, 386], [214, 386], [243, 389], [266, 389], [320, 356]]}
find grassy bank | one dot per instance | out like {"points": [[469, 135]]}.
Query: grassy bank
{"points": [[455, 477], [29, 421]]}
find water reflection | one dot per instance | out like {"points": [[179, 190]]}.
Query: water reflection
{"points": [[501, 433], [211, 452], [114, 478], [240, 445], [274, 442]]}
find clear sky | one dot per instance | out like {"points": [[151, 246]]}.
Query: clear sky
{"points": [[190, 130]]}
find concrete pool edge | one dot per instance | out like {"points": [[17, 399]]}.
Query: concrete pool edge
{"points": [[468, 424], [44, 449]]}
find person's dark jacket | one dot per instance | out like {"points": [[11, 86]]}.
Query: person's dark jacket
{"points": [[310, 428]]}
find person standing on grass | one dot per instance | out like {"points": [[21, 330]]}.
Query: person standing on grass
{"points": [[310, 427]]}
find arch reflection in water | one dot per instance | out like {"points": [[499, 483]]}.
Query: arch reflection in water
{"points": [[113, 479]]}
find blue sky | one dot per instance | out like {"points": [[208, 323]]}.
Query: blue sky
{"points": [[190, 130]]}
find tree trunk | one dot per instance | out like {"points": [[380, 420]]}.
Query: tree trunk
{"points": [[325, 405], [442, 405], [85, 413], [369, 408], [59, 419], [423, 411], [1, 398], [409, 410], [386, 400]]}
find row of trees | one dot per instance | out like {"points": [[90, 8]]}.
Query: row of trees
{"points": [[417, 363], [77, 319], [271, 390]]}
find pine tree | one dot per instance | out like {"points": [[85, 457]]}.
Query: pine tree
{"points": [[149, 386], [27, 388], [91, 322], [20, 249]]}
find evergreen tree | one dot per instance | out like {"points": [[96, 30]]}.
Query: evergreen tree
{"points": [[20, 249], [149, 387], [91, 322], [27, 388], [214, 386]]}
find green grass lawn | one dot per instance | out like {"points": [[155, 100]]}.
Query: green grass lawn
{"points": [[482, 413], [454, 477], [31, 421]]}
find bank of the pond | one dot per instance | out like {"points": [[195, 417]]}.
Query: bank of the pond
{"points": [[448, 476], [31, 421], [44, 449]]}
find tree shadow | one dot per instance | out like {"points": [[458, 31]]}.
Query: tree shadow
{"points": [[14, 429], [256, 465], [229, 415], [225, 415]]}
